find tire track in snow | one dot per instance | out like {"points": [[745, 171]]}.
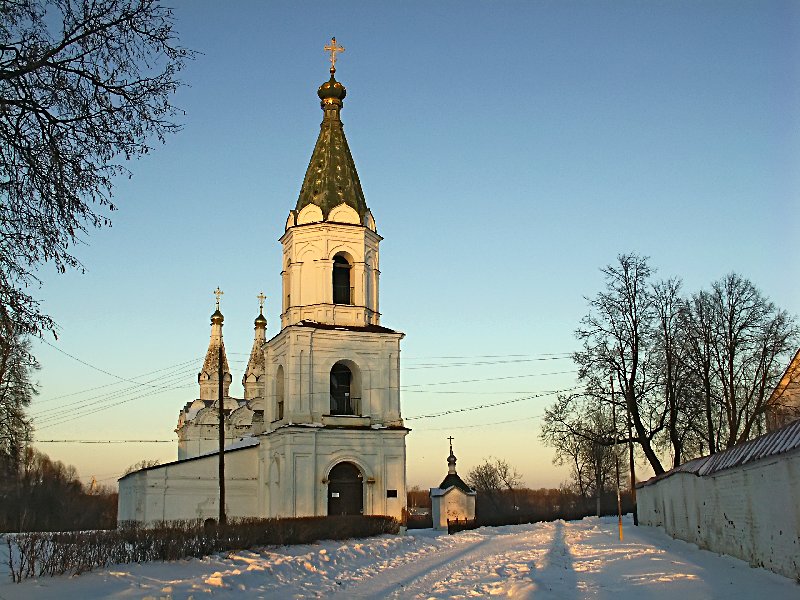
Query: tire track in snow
{"points": [[479, 565]]}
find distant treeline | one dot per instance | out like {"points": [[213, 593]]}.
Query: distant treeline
{"points": [[524, 505], [47, 495]]}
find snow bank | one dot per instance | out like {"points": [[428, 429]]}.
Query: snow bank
{"points": [[543, 561]]}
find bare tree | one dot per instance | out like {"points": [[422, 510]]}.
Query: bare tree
{"points": [[492, 477], [617, 337], [145, 463], [672, 348], [84, 86], [17, 366], [581, 430], [700, 338], [692, 374], [752, 339]]}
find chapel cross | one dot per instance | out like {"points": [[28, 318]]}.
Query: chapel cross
{"points": [[333, 49], [218, 293], [261, 297], [451, 438]]}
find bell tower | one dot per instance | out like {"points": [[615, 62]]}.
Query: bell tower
{"points": [[333, 438], [330, 248]]}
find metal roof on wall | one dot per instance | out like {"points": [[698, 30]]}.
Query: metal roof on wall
{"points": [[777, 442]]}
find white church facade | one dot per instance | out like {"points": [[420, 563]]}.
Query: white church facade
{"points": [[319, 430]]}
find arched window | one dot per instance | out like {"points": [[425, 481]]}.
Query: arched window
{"points": [[279, 394], [341, 281], [341, 401]]}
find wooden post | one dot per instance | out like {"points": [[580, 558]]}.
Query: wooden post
{"points": [[616, 457], [632, 467]]}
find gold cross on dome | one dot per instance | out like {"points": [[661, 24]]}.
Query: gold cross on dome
{"points": [[451, 438], [333, 49], [261, 297], [218, 293]]}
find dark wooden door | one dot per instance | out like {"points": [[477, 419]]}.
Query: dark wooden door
{"points": [[345, 490]]}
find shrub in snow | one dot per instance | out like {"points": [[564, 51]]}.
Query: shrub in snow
{"points": [[71, 553]]}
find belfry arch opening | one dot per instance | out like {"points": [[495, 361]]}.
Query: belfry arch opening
{"points": [[342, 280], [345, 490], [279, 393], [345, 389]]}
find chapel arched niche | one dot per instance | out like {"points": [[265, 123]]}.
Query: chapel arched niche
{"points": [[345, 388]]}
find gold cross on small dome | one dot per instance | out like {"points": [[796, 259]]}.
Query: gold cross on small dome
{"points": [[333, 49], [261, 297], [218, 293]]}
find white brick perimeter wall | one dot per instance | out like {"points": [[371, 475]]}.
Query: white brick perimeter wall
{"points": [[751, 512]]}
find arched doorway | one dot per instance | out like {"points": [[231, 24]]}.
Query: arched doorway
{"points": [[345, 490]]}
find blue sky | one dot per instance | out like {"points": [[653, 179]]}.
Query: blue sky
{"points": [[508, 150]]}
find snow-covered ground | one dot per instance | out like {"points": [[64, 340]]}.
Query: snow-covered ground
{"points": [[565, 561]]}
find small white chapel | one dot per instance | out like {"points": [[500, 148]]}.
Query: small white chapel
{"points": [[319, 430], [453, 499]]}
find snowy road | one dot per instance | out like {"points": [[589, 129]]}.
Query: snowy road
{"points": [[582, 559]]}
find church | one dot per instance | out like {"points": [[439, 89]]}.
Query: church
{"points": [[319, 430]]}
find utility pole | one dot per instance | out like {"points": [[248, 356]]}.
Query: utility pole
{"points": [[616, 456], [221, 409], [633, 466], [221, 441]]}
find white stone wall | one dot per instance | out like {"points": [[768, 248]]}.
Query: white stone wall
{"points": [[308, 253], [189, 489], [307, 355], [285, 476], [751, 512], [296, 463]]}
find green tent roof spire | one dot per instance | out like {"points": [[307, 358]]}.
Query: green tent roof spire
{"points": [[331, 177]]}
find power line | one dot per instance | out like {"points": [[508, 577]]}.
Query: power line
{"points": [[175, 372], [107, 441], [53, 420], [403, 388], [91, 366], [484, 424], [99, 387], [479, 363], [56, 412], [490, 405], [101, 409], [471, 380], [560, 354], [414, 418]]}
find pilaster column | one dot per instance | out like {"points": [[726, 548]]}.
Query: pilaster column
{"points": [[359, 285]]}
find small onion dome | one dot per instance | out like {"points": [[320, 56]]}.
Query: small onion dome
{"points": [[261, 321], [451, 460], [217, 318], [332, 91]]}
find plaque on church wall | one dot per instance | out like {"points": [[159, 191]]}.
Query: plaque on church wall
{"points": [[391, 493]]}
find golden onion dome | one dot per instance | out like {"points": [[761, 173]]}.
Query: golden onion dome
{"points": [[217, 318], [261, 321], [332, 91]]}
